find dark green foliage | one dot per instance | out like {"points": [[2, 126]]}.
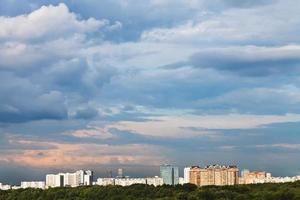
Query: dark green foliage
{"points": [[287, 191]]}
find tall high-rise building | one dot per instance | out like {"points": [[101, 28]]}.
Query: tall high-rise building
{"points": [[214, 175], [169, 174], [110, 174]]}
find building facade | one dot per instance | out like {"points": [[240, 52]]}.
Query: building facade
{"points": [[181, 181], [169, 174], [129, 181], [253, 177], [54, 180], [186, 174], [214, 175], [155, 181], [5, 187], [75, 179], [105, 181], [33, 184]]}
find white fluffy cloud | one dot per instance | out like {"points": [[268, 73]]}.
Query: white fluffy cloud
{"points": [[46, 35], [48, 21]]}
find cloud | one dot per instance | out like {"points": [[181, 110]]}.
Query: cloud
{"points": [[251, 60], [24, 56], [234, 26], [49, 67], [171, 126], [86, 113], [47, 34], [47, 22], [23, 101], [291, 146], [96, 133], [247, 3], [80, 155], [275, 100]]}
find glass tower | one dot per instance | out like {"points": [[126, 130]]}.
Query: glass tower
{"points": [[169, 174]]}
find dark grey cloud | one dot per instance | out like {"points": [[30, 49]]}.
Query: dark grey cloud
{"points": [[247, 61], [248, 3], [23, 101], [86, 113], [248, 65]]}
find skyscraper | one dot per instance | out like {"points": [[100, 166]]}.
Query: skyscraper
{"points": [[169, 174]]}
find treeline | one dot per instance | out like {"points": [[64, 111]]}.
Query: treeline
{"points": [[286, 191]]}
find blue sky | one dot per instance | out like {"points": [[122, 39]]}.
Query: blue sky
{"points": [[103, 84]]}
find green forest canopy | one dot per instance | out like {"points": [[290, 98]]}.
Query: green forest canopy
{"points": [[286, 191]]}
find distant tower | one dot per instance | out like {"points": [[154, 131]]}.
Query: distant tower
{"points": [[120, 173], [109, 173], [169, 174], [244, 172]]}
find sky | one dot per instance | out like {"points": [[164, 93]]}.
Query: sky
{"points": [[134, 84]]}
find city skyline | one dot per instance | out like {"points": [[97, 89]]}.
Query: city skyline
{"points": [[162, 171], [217, 175], [109, 84]]}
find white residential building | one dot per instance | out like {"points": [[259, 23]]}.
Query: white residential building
{"points": [[155, 181], [84, 177], [15, 187], [75, 179], [186, 174], [33, 184], [4, 187], [80, 177], [105, 181], [181, 181], [54, 180], [282, 179], [129, 181], [70, 180], [88, 178], [257, 177]]}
